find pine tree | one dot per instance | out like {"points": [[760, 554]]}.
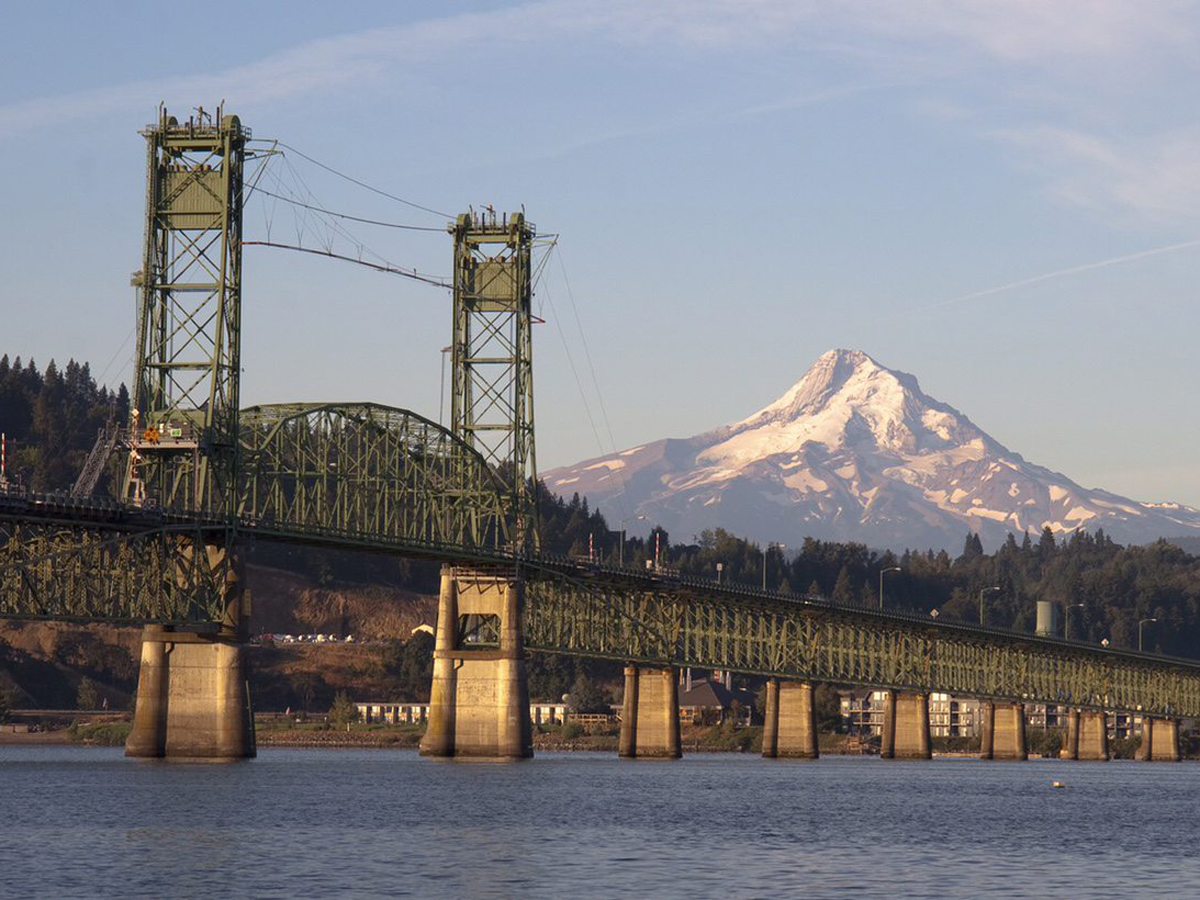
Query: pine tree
{"points": [[972, 548], [843, 588], [1046, 544]]}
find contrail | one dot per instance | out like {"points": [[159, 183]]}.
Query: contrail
{"points": [[1050, 276]]}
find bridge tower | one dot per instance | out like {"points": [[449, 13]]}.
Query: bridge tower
{"points": [[491, 405], [183, 439], [479, 700]]}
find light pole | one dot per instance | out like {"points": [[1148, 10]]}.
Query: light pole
{"points": [[981, 596], [883, 572], [720, 569], [621, 552], [1140, 624], [1067, 619]]}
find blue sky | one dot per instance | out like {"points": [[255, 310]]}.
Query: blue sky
{"points": [[738, 187]]}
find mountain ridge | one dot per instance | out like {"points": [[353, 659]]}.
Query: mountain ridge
{"points": [[856, 451]]}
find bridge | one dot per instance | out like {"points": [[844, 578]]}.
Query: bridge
{"points": [[203, 476]]}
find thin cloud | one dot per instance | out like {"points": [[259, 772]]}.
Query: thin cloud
{"points": [[1049, 276], [1156, 177], [1012, 31]]}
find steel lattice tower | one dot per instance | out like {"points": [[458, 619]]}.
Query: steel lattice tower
{"points": [[492, 391], [183, 439]]}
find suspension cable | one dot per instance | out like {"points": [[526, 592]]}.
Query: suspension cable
{"points": [[379, 267]]}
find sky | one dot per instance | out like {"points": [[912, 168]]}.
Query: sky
{"points": [[1001, 197]]}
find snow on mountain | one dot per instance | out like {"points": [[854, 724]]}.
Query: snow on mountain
{"points": [[855, 451]]}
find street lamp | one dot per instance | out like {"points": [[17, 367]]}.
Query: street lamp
{"points": [[883, 572], [621, 552], [1067, 619], [1140, 624], [981, 596], [720, 569]]}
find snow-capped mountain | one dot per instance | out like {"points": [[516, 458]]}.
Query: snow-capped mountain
{"points": [[855, 451]]}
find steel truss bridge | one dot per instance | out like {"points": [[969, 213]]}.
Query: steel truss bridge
{"points": [[203, 477]]}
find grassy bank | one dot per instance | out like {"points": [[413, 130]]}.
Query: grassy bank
{"points": [[103, 734]]}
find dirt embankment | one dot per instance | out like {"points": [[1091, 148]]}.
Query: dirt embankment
{"points": [[285, 603], [43, 663]]}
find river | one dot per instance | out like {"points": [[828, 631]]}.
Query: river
{"points": [[86, 822]]}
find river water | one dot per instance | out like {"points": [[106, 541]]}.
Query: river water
{"points": [[86, 822]]}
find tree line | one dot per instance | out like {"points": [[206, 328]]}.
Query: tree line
{"points": [[50, 420]]}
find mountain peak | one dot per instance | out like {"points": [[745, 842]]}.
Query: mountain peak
{"points": [[848, 376], [857, 451]]}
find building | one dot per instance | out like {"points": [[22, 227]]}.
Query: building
{"points": [[951, 716], [712, 700], [862, 710], [409, 713]]}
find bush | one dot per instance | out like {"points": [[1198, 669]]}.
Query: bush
{"points": [[572, 730], [88, 697], [343, 711], [955, 744], [1124, 748], [1044, 741], [108, 734]]}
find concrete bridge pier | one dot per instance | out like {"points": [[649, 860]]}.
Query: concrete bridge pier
{"points": [[906, 726], [790, 722], [193, 700], [1092, 736], [1070, 748], [1002, 735], [1160, 740], [479, 700], [650, 714]]}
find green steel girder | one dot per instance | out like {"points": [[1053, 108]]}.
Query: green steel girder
{"points": [[387, 475], [356, 475], [818, 642], [88, 572]]}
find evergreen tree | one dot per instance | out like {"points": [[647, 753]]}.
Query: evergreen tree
{"points": [[843, 588], [343, 711], [1046, 544]]}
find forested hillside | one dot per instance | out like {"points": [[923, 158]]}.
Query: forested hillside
{"points": [[51, 418]]}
